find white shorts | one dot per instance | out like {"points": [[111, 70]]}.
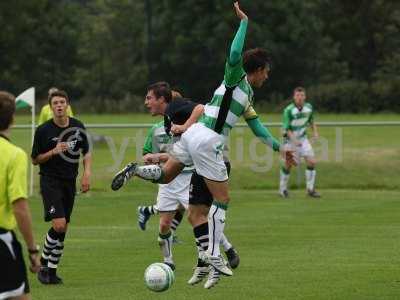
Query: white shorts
{"points": [[202, 147], [174, 193], [304, 150]]}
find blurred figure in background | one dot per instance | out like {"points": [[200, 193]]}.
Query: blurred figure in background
{"points": [[297, 116]]}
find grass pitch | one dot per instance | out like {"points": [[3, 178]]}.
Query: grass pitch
{"points": [[343, 246]]}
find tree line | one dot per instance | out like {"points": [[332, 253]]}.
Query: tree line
{"points": [[105, 52]]}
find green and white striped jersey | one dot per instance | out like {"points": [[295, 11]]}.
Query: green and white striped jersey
{"points": [[231, 100], [297, 120], [158, 141]]}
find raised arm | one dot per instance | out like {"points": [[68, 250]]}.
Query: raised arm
{"points": [[233, 68], [238, 42]]}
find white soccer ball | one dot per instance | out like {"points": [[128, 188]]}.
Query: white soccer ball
{"points": [[159, 277]]}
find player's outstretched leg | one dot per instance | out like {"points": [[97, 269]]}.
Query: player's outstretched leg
{"points": [[154, 173], [144, 214], [148, 172], [123, 176]]}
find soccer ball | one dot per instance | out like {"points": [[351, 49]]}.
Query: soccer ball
{"points": [[159, 277]]}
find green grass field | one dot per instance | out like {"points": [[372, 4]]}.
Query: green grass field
{"points": [[343, 246]]}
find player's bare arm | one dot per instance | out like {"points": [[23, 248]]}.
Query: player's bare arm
{"points": [[155, 158], [293, 138], [87, 167], [44, 157], [314, 129], [24, 221], [241, 15]]}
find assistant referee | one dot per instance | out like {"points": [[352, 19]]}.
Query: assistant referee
{"points": [[14, 210], [57, 148]]}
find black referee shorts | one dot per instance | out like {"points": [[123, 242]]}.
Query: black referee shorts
{"points": [[13, 276], [199, 193], [58, 197]]}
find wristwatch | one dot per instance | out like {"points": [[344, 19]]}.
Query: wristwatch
{"points": [[35, 250]]}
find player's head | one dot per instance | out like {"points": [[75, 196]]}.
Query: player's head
{"points": [[58, 101], [299, 96], [7, 110], [157, 98], [256, 64]]}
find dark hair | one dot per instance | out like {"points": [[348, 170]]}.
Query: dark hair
{"points": [[7, 109], [175, 94], [299, 89], [161, 89], [58, 93], [51, 90], [254, 59]]}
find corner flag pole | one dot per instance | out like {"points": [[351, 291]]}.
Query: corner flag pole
{"points": [[32, 136]]}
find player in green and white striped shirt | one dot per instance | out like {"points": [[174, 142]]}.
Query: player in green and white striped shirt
{"points": [[203, 142], [297, 116]]}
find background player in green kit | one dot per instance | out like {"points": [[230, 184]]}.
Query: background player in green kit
{"points": [[297, 116]]}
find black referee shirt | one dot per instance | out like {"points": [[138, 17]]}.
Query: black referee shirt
{"points": [[177, 112], [66, 164]]}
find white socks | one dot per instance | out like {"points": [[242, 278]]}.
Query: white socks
{"points": [[284, 179], [165, 242], [149, 172], [310, 178], [225, 243], [216, 224]]}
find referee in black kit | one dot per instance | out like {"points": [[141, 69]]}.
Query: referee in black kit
{"points": [[57, 148]]}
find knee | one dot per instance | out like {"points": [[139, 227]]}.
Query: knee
{"points": [[197, 216], [286, 168], [165, 225], [192, 217], [224, 199], [60, 226], [167, 178], [311, 164]]}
